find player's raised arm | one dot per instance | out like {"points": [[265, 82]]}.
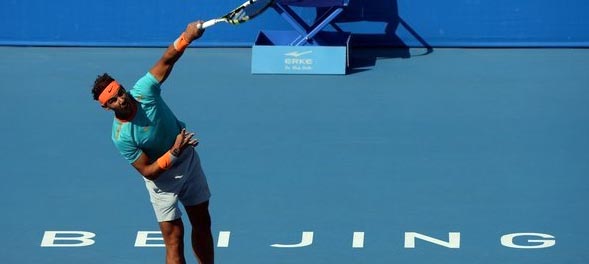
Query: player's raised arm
{"points": [[164, 65]]}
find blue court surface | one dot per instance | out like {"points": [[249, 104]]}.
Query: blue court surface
{"points": [[457, 156]]}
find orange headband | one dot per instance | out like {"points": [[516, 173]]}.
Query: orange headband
{"points": [[111, 90]]}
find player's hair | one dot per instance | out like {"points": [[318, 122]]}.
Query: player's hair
{"points": [[100, 84]]}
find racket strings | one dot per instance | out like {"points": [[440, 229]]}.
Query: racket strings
{"points": [[247, 11]]}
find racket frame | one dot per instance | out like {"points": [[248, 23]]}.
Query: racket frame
{"points": [[226, 18]]}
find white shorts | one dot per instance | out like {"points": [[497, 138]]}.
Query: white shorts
{"points": [[185, 181]]}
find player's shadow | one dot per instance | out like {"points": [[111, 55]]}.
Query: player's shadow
{"points": [[367, 48]]}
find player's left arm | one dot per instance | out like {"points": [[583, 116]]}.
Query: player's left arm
{"points": [[164, 65]]}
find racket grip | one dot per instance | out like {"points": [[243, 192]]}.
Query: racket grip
{"points": [[209, 23]]}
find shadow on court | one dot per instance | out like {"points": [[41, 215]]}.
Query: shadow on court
{"points": [[388, 44]]}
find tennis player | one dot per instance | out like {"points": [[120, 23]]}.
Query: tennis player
{"points": [[148, 134]]}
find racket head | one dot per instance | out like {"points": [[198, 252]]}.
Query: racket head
{"points": [[247, 11]]}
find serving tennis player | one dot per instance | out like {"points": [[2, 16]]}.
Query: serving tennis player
{"points": [[147, 134]]}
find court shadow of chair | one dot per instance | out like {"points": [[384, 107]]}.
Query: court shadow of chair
{"points": [[366, 49]]}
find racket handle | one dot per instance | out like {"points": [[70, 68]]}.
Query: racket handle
{"points": [[210, 23]]}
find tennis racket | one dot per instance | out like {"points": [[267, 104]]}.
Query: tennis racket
{"points": [[243, 13]]}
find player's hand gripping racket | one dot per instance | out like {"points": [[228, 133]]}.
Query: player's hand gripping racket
{"points": [[243, 13]]}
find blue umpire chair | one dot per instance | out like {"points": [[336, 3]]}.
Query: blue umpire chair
{"points": [[307, 32], [307, 48]]}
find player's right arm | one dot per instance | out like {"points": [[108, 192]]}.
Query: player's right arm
{"points": [[151, 170]]}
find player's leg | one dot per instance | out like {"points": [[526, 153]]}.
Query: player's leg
{"points": [[165, 204], [202, 237], [173, 233]]}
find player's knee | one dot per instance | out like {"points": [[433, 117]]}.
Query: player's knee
{"points": [[199, 216], [174, 246], [172, 230]]}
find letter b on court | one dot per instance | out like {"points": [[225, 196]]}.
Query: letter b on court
{"points": [[67, 239]]}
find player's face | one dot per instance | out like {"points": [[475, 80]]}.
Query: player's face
{"points": [[120, 102]]}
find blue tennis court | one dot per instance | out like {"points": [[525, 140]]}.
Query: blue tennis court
{"points": [[457, 156]]}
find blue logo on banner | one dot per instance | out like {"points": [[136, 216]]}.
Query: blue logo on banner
{"points": [[299, 59]]}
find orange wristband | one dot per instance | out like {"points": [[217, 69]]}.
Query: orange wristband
{"points": [[166, 161], [181, 43]]}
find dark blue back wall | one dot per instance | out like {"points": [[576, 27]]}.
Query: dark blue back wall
{"points": [[448, 23]]}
